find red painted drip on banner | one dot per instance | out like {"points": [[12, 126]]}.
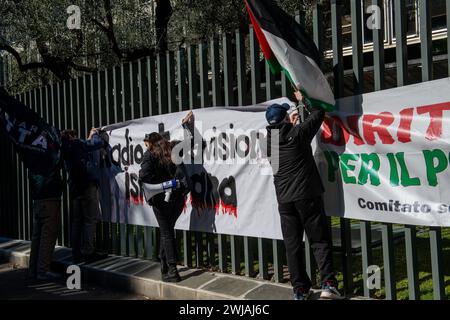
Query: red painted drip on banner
{"points": [[201, 205], [228, 209], [136, 200]]}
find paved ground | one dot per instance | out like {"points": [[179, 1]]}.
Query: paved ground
{"points": [[13, 286], [118, 277]]}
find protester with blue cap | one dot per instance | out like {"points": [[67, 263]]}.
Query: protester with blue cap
{"points": [[299, 192], [277, 113]]}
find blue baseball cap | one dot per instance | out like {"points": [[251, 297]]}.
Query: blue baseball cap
{"points": [[277, 113]]}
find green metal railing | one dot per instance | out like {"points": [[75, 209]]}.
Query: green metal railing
{"points": [[224, 71]]}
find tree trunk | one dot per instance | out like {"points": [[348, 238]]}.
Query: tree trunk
{"points": [[163, 13]]}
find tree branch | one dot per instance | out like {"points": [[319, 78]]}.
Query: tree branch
{"points": [[22, 67], [111, 35]]}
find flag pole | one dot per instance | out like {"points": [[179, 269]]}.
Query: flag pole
{"points": [[299, 103]]}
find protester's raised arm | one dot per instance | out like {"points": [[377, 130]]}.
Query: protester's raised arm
{"points": [[308, 128]]}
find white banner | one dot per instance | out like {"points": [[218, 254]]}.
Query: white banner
{"points": [[383, 156], [233, 188]]}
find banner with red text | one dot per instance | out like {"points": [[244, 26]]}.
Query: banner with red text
{"points": [[383, 156]]}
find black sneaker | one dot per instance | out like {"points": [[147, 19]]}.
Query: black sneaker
{"points": [[164, 271], [172, 275]]}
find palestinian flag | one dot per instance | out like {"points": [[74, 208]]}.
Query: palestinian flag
{"points": [[288, 48]]}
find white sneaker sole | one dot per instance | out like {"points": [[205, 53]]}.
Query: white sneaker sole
{"points": [[330, 296]]}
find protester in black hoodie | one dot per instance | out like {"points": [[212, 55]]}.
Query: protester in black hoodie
{"points": [[299, 192], [79, 157]]}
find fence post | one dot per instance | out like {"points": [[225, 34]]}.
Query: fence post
{"points": [[357, 52], [437, 263], [366, 252], [143, 93], [148, 243], [183, 102], [411, 262], [426, 45], [222, 251], [192, 76], [262, 259], [389, 262], [217, 97], [249, 256], [151, 85], [241, 64], [171, 90], [162, 84], [199, 249], [338, 59], [378, 49], [211, 249], [203, 65], [401, 45], [227, 70], [346, 254], [255, 70], [235, 244], [277, 260], [187, 248]]}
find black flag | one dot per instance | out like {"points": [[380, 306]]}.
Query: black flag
{"points": [[37, 143]]}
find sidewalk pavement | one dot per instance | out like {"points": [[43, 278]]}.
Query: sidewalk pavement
{"points": [[15, 286], [143, 277]]}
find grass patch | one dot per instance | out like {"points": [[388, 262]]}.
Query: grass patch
{"points": [[424, 267]]}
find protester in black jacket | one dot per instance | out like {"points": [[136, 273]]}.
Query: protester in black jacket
{"points": [[157, 167], [299, 191], [79, 158]]}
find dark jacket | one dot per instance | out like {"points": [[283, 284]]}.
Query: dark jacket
{"points": [[46, 186], [78, 159], [297, 176], [153, 172]]}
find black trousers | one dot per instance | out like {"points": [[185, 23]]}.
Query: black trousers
{"points": [[85, 214], [167, 214], [46, 219], [306, 215]]}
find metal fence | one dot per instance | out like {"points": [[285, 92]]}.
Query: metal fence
{"points": [[227, 70]]}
